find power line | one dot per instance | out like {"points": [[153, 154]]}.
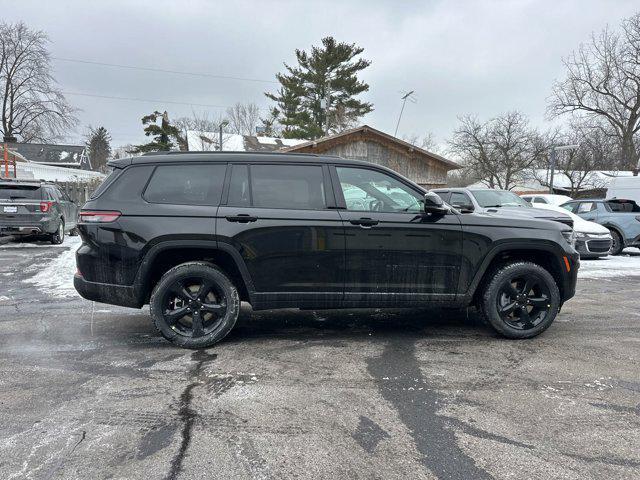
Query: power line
{"points": [[146, 100], [177, 72]]}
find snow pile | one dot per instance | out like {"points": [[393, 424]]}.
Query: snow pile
{"points": [[625, 265], [56, 277]]}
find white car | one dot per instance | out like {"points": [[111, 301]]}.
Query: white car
{"points": [[538, 199], [592, 239]]}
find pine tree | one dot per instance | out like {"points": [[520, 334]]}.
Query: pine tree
{"points": [[98, 147], [163, 133], [319, 94]]}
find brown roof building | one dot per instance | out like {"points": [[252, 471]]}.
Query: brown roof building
{"points": [[365, 143]]}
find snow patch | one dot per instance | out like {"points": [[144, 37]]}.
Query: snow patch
{"points": [[625, 265], [56, 278]]}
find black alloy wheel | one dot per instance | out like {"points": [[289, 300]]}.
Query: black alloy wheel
{"points": [[194, 305], [524, 302], [520, 299]]}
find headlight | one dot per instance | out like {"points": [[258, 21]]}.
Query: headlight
{"points": [[569, 236], [582, 235]]}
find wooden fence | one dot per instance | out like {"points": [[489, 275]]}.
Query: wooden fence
{"points": [[79, 192]]}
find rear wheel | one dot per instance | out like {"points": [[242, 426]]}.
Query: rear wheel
{"points": [[520, 300], [617, 243], [194, 305], [58, 237]]}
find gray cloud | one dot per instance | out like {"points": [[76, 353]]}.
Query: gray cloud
{"points": [[481, 57]]}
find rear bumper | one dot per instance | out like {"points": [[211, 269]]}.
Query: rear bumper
{"points": [[123, 295], [12, 227], [25, 230]]}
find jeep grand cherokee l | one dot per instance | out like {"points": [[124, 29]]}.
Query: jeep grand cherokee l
{"points": [[194, 234]]}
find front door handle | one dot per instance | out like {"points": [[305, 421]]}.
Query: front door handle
{"points": [[364, 222], [241, 218]]}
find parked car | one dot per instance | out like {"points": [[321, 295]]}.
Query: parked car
{"points": [[592, 239], [620, 216], [501, 202], [539, 199], [193, 234], [625, 187], [36, 208]]}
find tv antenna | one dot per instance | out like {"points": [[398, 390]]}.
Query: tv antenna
{"points": [[405, 96]]}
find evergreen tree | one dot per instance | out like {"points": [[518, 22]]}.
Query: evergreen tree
{"points": [[162, 134], [319, 94], [98, 147]]}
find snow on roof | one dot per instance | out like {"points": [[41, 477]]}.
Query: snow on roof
{"points": [[538, 180], [55, 174], [199, 141]]}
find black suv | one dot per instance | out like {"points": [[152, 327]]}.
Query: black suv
{"points": [[194, 234], [34, 207]]}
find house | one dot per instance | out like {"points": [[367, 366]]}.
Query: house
{"points": [[68, 156], [366, 143], [18, 166], [209, 141]]}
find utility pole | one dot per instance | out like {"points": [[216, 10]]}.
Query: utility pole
{"points": [[552, 161], [404, 100]]}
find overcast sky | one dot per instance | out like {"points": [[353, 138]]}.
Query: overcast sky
{"points": [[480, 57]]}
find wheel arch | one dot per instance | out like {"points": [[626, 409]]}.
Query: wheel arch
{"points": [[166, 255], [544, 255]]}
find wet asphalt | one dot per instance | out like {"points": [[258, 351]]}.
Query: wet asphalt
{"points": [[91, 391]]}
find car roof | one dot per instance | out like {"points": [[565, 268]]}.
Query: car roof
{"points": [[29, 183]]}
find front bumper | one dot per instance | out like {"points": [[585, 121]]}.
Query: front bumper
{"points": [[593, 245]]}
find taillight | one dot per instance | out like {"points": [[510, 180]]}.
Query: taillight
{"points": [[45, 206], [92, 216]]}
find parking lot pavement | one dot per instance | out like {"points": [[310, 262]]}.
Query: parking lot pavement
{"points": [[91, 391]]}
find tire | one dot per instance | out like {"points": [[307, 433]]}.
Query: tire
{"points": [[73, 232], [57, 238], [514, 289], [194, 305], [617, 245]]}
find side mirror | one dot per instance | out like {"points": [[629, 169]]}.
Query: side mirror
{"points": [[464, 208], [434, 205]]}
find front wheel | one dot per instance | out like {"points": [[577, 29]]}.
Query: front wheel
{"points": [[194, 305], [521, 300]]}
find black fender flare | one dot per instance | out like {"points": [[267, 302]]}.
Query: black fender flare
{"points": [[213, 245], [518, 245]]}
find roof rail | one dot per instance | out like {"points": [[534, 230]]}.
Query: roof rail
{"points": [[232, 152]]}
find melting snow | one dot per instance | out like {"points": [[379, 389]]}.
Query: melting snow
{"points": [[627, 264], [56, 277]]}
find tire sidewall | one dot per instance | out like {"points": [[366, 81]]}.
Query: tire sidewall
{"points": [[489, 299], [57, 238], [616, 246], [190, 270]]}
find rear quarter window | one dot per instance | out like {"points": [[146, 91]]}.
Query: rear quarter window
{"points": [[128, 184], [106, 182], [194, 184]]}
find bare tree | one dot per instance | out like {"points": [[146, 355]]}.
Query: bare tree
{"points": [[500, 151], [243, 118], [427, 142], [603, 82], [33, 108], [202, 128], [597, 151]]}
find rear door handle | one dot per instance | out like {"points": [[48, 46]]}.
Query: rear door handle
{"points": [[241, 218], [364, 222]]}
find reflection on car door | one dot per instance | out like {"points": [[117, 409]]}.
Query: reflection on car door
{"points": [[282, 220], [395, 255]]}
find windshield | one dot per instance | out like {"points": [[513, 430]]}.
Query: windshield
{"points": [[498, 198], [20, 192]]}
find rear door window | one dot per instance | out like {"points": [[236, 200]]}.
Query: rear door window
{"points": [[288, 186], [20, 192], [586, 207], [191, 184]]}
